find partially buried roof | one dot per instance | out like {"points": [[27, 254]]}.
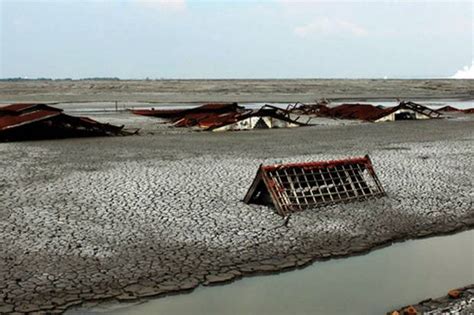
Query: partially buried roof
{"points": [[209, 108], [365, 112], [41, 121], [297, 186]]}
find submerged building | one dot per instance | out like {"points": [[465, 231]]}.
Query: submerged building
{"points": [[40, 121], [367, 112], [228, 116]]}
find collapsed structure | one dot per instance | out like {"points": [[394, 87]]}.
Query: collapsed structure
{"points": [[174, 114], [451, 109], [298, 186], [367, 112], [229, 116], [40, 121]]}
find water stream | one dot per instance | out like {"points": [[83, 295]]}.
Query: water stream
{"points": [[388, 278]]}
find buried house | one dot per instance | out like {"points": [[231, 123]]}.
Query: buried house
{"points": [[40, 121], [228, 116], [298, 186], [175, 114], [367, 112], [266, 117]]}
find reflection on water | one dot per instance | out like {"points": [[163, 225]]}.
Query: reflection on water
{"points": [[375, 283]]}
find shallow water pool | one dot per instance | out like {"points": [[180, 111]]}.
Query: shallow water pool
{"points": [[385, 279]]}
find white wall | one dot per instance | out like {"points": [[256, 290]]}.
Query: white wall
{"points": [[391, 117]]}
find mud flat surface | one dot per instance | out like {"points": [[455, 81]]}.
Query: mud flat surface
{"points": [[130, 217], [302, 90]]}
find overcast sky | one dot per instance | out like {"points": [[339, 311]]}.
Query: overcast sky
{"points": [[236, 39]]}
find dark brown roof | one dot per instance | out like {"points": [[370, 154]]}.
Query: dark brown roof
{"points": [[180, 113], [20, 114], [44, 121], [368, 112]]}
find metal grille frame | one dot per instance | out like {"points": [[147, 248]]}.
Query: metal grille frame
{"points": [[298, 186]]}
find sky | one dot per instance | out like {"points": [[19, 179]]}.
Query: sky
{"points": [[136, 39]]}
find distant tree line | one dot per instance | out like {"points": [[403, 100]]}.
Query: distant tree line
{"points": [[62, 79]]}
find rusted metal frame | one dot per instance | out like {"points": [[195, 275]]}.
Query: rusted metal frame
{"points": [[343, 177], [298, 182], [325, 164], [370, 182], [280, 190], [285, 190], [317, 185], [308, 182], [371, 171], [335, 185], [297, 189], [368, 187], [354, 178], [326, 185], [270, 183], [363, 180], [293, 189], [346, 178], [254, 185], [351, 183]]}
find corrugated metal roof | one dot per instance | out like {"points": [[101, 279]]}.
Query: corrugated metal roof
{"points": [[177, 114], [50, 121], [298, 186], [21, 107], [20, 114], [319, 164], [366, 112]]}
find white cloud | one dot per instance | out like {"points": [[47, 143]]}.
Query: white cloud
{"points": [[465, 73], [330, 26], [175, 5]]}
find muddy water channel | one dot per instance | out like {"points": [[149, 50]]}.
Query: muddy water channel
{"points": [[382, 280]]}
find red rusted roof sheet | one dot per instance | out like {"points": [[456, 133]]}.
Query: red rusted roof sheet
{"points": [[359, 111], [162, 113], [298, 186], [14, 117], [180, 113], [320, 164], [449, 109], [21, 107], [18, 115], [368, 112]]}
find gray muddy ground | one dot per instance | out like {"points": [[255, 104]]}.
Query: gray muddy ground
{"points": [[140, 216], [302, 90]]}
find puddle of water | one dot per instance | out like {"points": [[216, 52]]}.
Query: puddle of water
{"points": [[385, 279]]}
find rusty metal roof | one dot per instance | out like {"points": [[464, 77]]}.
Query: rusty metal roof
{"points": [[298, 186], [15, 115], [177, 114], [211, 121], [359, 111], [47, 120], [319, 164], [21, 107], [366, 112]]}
